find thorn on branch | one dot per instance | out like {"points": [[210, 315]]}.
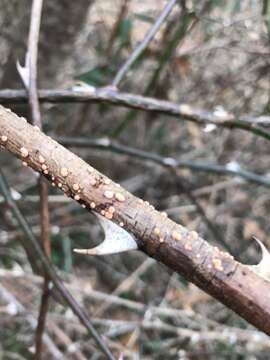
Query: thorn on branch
{"points": [[116, 240], [263, 268]]}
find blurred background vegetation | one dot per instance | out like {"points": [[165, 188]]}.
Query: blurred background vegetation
{"points": [[212, 55]]}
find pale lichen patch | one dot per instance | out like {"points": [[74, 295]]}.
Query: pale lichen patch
{"points": [[108, 194], [176, 235], [90, 169], [92, 205], [188, 247], [193, 235], [93, 182], [41, 159], [185, 109], [108, 215], [64, 171], [111, 209], [76, 187], [4, 138], [120, 197], [24, 152], [217, 263]]}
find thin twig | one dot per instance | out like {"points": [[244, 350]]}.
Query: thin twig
{"points": [[144, 43], [169, 48], [10, 298], [169, 162], [43, 262], [43, 311], [217, 235], [28, 237], [36, 13], [181, 112], [125, 285], [33, 55]]}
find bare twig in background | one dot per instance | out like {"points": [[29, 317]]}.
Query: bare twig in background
{"points": [[144, 43], [33, 56], [146, 318], [41, 261], [36, 13], [110, 145], [10, 299], [125, 285], [28, 237], [170, 43], [179, 111], [184, 251], [217, 235]]}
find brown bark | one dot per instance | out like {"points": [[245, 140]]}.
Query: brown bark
{"points": [[109, 95], [214, 271]]}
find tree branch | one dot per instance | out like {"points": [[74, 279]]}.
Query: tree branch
{"points": [[184, 251], [179, 111]]}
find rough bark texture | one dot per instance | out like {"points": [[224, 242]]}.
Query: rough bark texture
{"points": [[184, 251]]}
